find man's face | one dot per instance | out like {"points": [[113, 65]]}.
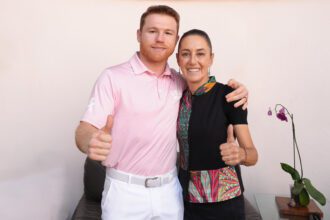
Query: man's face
{"points": [[157, 38]]}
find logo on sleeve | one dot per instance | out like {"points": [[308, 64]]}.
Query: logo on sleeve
{"points": [[91, 104]]}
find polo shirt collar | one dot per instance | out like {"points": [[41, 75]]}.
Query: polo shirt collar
{"points": [[139, 67]]}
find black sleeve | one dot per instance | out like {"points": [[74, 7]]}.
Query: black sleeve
{"points": [[234, 115]]}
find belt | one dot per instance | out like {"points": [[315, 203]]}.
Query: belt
{"points": [[146, 181]]}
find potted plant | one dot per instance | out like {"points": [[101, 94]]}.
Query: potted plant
{"points": [[302, 187]]}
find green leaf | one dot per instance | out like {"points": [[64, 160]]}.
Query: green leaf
{"points": [[297, 187], [317, 195], [289, 169], [304, 197]]}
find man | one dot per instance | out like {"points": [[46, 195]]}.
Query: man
{"points": [[130, 125]]}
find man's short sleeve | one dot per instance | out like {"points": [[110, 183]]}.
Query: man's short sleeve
{"points": [[102, 101]]}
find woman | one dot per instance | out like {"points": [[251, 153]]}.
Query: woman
{"points": [[210, 175]]}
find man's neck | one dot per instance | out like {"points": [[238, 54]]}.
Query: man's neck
{"points": [[157, 68]]}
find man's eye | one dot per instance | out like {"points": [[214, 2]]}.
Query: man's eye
{"points": [[200, 54], [152, 31], [169, 33]]}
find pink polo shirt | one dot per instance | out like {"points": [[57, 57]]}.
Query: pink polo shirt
{"points": [[145, 109]]}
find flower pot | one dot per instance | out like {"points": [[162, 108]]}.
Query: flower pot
{"points": [[294, 201]]}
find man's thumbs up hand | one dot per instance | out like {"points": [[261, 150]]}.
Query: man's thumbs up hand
{"points": [[230, 151], [100, 144]]}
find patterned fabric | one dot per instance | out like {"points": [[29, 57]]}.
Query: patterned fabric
{"points": [[213, 185], [182, 128], [206, 87], [183, 119]]}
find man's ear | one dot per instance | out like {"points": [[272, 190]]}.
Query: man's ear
{"points": [[138, 35]]}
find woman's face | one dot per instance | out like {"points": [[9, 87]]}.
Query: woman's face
{"points": [[194, 59]]}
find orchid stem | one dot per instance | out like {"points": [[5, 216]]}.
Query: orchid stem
{"points": [[295, 144]]}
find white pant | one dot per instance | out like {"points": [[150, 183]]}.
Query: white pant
{"points": [[128, 201]]}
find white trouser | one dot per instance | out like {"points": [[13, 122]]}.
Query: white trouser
{"points": [[131, 197]]}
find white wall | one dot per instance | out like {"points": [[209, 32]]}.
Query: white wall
{"points": [[52, 51]]}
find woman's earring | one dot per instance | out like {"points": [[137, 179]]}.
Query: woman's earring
{"points": [[209, 70]]}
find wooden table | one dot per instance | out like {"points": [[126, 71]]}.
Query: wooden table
{"points": [[269, 209]]}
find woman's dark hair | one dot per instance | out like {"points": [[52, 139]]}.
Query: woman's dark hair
{"points": [[197, 32]]}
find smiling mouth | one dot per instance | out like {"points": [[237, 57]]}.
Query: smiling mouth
{"points": [[193, 70]]}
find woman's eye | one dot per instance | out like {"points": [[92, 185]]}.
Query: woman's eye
{"points": [[185, 54]]}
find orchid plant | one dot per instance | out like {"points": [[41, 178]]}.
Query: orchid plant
{"points": [[302, 187]]}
